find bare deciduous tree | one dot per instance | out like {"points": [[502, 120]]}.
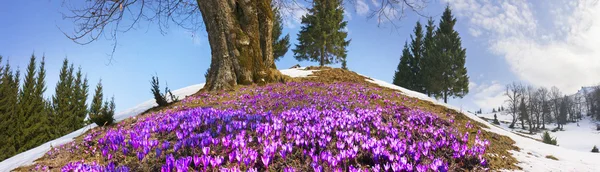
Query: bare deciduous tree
{"points": [[239, 31]]}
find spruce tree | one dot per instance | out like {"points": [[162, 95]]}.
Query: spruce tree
{"points": [[80, 94], [523, 115], [455, 82], [62, 100], [99, 114], [417, 49], [9, 90], [32, 118], [160, 98], [402, 77], [280, 46], [322, 37], [430, 64]]}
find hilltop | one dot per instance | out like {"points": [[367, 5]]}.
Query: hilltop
{"points": [[315, 119]]}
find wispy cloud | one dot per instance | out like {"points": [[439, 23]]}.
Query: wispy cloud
{"points": [[362, 8], [487, 95], [545, 48]]}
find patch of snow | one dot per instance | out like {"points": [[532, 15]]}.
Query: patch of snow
{"points": [[27, 157], [532, 156], [580, 138], [297, 72], [502, 117]]}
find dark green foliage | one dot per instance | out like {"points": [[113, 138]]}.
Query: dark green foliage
{"points": [[69, 100], [595, 149], [79, 99], [546, 138], [9, 93], [496, 120], [430, 63], [344, 65], [493, 109], [452, 57], [523, 115], [33, 120], [562, 115], [402, 77], [280, 46], [99, 114], [161, 98], [417, 49], [322, 37]]}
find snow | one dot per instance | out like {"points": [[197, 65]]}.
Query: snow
{"points": [[27, 157], [571, 153], [502, 117], [297, 72], [532, 155]]}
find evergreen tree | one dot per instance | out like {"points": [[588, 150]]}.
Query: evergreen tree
{"points": [[454, 81], [160, 98], [417, 49], [33, 121], [80, 94], [402, 77], [430, 63], [523, 112], [62, 100], [280, 46], [344, 65], [322, 37], [99, 114], [9, 93]]}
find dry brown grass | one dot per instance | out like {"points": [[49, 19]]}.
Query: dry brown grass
{"points": [[497, 153]]}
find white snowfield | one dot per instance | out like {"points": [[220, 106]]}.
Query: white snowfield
{"points": [[531, 157], [27, 157]]}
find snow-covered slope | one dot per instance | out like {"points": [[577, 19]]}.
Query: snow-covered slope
{"points": [[27, 157], [532, 155]]}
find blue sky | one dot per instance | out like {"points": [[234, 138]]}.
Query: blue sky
{"points": [[506, 41]]}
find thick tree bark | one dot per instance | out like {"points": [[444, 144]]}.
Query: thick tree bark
{"points": [[239, 33]]}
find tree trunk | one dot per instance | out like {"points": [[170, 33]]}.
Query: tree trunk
{"points": [[239, 34]]}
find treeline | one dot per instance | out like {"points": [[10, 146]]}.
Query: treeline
{"points": [[534, 107], [27, 118], [434, 63]]}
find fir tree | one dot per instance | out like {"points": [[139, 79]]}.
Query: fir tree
{"points": [[322, 37], [455, 82], [62, 99], [402, 77], [344, 65], [32, 118], [417, 49], [99, 114], [523, 115], [80, 94], [9, 91], [96, 106], [280, 46], [430, 63], [160, 98]]}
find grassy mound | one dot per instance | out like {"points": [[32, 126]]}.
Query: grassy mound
{"points": [[332, 122]]}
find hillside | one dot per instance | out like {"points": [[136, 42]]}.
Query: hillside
{"points": [[322, 119]]}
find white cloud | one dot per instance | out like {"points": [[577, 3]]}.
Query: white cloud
{"points": [[362, 8], [292, 16], [558, 47], [376, 3], [347, 15], [487, 96]]}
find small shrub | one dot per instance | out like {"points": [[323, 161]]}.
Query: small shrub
{"points": [[595, 149], [101, 115], [161, 98], [496, 120], [551, 157], [546, 138], [597, 127]]}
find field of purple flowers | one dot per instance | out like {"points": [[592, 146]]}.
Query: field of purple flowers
{"points": [[297, 126]]}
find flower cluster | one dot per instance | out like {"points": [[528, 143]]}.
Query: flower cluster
{"points": [[79, 166], [289, 127]]}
